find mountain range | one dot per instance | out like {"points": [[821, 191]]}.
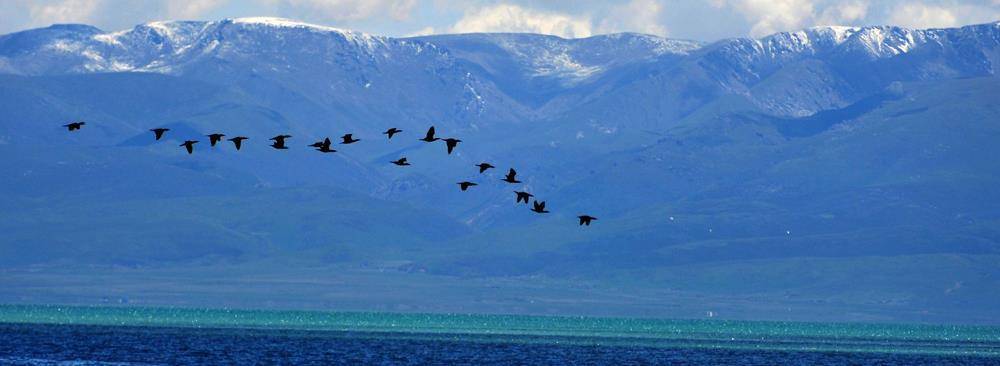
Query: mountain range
{"points": [[837, 173]]}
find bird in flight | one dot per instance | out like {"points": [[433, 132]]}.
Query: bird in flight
{"points": [[348, 139], [401, 162], [324, 146], [317, 144], [451, 143], [391, 131], [484, 166], [585, 219], [214, 138], [511, 177], [189, 145], [279, 142], [523, 196], [539, 207], [158, 132], [238, 141], [75, 125], [466, 185], [430, 135]]}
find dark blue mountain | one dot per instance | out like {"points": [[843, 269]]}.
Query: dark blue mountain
{"points": [[831, 173]]}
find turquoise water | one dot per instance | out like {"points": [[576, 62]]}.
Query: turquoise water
{"points": [[979, 341]]}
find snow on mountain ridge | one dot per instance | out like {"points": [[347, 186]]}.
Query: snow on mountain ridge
{"points": [[567, 61], [871, 42], [359, 38], [809, 40], [881, 42], [166, 46], [159, 46]]}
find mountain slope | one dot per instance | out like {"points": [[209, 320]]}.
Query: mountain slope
{"points": [[781, 172]]}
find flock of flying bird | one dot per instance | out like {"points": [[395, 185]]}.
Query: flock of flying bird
{"points": [[324, 147]]}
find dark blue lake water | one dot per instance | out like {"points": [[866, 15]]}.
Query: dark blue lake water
{"points": [[45, 344], [54, 335]]}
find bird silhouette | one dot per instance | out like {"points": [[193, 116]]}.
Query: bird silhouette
{"points": [[466, 185], [238, 141], [391, 131], [585, 219], [451, 143], [324, 146], [484, 166], [539, 207], [348, 139], [74, 126], [511, 177], [189, 145], [317, 144], [401, 162], [279, 142], [430, 135], [158, 132], [214, 138], [523, 196]]}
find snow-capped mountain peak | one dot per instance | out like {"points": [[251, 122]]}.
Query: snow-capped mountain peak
{"points": [[359, 38], [809, 40], [285, 23], [530, 68]]}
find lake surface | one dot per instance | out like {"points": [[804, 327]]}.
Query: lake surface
{"points": [[44, 335]]}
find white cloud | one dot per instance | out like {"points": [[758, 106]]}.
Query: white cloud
{"points": [[918, 15], [400, 10], [641, 16], [513, 18], [192, 9], [847, 12], [64, 11], [347, 10], [770, 16], [924, 15], [695, 19], [421, 32]]}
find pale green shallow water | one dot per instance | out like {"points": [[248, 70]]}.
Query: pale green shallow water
{"points": [[788, 336]]}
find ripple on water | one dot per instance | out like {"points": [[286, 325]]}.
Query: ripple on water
{"points": [[238, 332]]}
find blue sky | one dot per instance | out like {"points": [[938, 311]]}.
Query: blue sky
{"points": [[691, 19]]}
